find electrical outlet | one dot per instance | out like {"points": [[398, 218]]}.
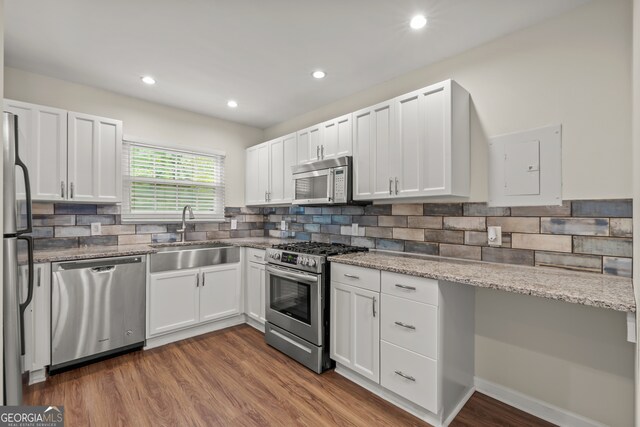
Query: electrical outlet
{"points": [[96, 229], [494, 236], [283, 225], [354, 229], [234, 224]]}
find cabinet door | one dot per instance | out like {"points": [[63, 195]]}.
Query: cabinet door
{"points": [[94, 158], [372, 138], [366, 333], [42, 143], [406, 158], [290, 160], [309, 144], [37, 317], [336, 137], [263, 172], [252, 179], [355, 329], [173, 300], [276, 171], [220, 292], [255, 291], [436, 128]]}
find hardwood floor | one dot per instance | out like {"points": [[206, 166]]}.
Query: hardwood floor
{"points": [[231, 377]]}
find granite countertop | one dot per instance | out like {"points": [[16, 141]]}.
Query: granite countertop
{"points": [[597, 290], [91, 252], [125, 250]]}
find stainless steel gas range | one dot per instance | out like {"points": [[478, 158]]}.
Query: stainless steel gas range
{"points": [[297, 299]]}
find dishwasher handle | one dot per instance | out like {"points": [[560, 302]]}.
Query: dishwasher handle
{"points": [[97, 264]]}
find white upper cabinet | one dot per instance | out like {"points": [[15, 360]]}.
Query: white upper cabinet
{"points": [[336, 137], [372, 135], [416, 145], [268, 171], [42, 141], [308, 144], [94, 158], [70, 156]]}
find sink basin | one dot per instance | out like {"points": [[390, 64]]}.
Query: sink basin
{"points": [[180, 257], [188, 247]]}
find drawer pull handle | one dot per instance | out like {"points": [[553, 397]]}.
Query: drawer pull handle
{"points": [[404, 325], [257, 256], [351, 276], [408, 288], [405, 376]]}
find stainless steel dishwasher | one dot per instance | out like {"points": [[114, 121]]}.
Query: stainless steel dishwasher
{"points": [[97, 308]]}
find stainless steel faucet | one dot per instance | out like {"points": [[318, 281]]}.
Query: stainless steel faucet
{"points": [[183, 230]]}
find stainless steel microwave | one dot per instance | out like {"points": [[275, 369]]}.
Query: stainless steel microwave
{"points": [[325, 182]]}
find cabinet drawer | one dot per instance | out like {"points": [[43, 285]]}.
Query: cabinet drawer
{"points": [[361, 277], [410, 375], [411, 287], [256, 255], [411, 325]]}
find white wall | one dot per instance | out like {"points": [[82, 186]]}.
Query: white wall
{"points": [[574, 69], [142, 119]]}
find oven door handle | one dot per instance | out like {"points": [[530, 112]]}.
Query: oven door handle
{"points": [[307, 278]]}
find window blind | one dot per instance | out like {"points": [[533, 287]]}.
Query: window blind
{"points": [[159, 182]]}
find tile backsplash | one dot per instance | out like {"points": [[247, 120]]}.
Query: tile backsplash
{"points": [[585, 235], [65, 225]]}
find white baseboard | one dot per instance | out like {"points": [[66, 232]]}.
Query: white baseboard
{"points": [[255, 324], [37, 376], [459, 406], [533, 406], [389, 396], [161, 340]]}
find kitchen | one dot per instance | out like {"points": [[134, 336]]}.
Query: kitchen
{"points": [[535, 320]]}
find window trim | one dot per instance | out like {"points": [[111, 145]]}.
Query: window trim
{"points": [[166, 217]]}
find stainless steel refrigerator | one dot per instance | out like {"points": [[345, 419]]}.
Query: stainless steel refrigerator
{"points": [[17, 222]]}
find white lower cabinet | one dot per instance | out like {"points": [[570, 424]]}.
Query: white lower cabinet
{"points": [[37, 321], [173, 300], [412, 342], [220, 294], [409, 375], [355, 328], [184, 298], [255, 285]]}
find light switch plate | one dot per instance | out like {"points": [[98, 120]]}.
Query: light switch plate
{"points": [[494, 236], [234, 224], [283, 225], [96, 229]]}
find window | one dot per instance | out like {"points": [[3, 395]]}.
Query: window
{"points": [[159, 182]]}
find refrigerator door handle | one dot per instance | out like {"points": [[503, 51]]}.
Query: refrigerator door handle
{"points": [[24, 305], [27, 186]]}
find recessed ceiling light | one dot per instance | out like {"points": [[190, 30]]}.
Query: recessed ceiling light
{"points": [[319, 74], [232, 104], [148, 80], [418, 21]]}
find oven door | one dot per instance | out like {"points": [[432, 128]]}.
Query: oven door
{"points": [[294, 302], [314, 187]]}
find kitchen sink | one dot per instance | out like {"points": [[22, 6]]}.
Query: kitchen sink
{"points": [[173, 247], [181, 256]]}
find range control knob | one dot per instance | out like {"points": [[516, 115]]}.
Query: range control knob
{"points": [[276, 255], [311, 262]]}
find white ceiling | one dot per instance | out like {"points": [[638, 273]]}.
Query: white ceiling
{"points": [[260, 53]]}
